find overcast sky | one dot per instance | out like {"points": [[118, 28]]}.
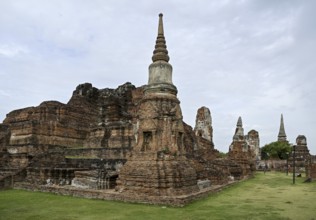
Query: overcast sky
{"points": [[254, 59]]}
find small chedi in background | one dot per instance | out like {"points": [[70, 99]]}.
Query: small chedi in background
{"points": [[282, 135], [279, 155]]}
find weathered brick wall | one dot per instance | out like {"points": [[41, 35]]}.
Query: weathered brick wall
{"points": [[177, 201], [10, 176], [312, 171], [105, 153]]}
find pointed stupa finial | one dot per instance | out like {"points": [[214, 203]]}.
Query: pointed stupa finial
{"points": [[239, 132], [282, 135], [239, 122], [160, 52]]}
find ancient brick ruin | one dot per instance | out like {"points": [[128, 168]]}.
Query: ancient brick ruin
{"points": [[311, 168], [241, 151], [303, 159], [157, 165], [128, 143], [203, 124], [253, 141]]}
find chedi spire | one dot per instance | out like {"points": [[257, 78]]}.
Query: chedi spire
{"points": [[282, 135], [160, 52], [239, 132], [160, 70], [239, 122]]}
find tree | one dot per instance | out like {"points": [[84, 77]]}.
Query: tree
{"points": [[222, 154], [276, 150]]}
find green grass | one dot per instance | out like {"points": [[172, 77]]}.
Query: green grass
{"points": [[269, 196]]}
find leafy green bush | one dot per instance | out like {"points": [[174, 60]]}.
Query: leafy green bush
{"points": [[276, 150]]}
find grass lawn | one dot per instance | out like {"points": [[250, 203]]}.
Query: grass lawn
{"points": [[269, 196]]}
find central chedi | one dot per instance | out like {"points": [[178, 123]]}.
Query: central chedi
{"points": [[157, 165]]}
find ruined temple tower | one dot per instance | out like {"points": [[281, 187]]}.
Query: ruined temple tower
{"points": [[203, 124], [302, 151], [239, 133], [239, 143], [158, 165], [240, 151], [253, 141], [159, 113], [282, 135]]}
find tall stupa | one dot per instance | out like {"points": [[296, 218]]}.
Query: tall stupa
{"points": [[158, 165], [282, 135]]}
